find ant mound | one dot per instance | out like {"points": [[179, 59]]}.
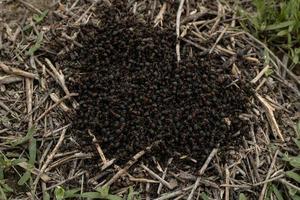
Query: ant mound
{"points": [[133, 93]]}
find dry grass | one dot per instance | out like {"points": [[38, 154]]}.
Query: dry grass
{"points": [[34, 99]]}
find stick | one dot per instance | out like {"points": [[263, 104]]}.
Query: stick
{"points": [[28, 83], [49, 159], [54, 105], [179, 12], [271, 118], [227, 191], [260, 74], [174, 194], [15, 71], [191, 195], [262, 194], [58, 76], [10, 79], [122, 171], [218, 39], [160, 16], [95, 141], [154, 175], [211, 155], [201, 172]]}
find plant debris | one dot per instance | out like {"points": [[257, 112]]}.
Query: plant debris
{"points": [[132, 92]]}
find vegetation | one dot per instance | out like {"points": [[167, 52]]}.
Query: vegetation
{"points": [[277, 23]]}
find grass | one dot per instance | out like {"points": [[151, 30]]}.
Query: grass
{"points": [[277, 23]]}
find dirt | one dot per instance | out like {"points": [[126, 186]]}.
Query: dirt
{"points": [[133, 92]]}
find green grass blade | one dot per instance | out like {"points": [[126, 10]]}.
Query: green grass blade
{"points": [[59, 193], [91, 195], [72, 193], [277, 192], [26, 176], [39, 18], [242, 196], [279, 25], [32, 151], [46, 196], [2, 194], [293, 176], [295, 162], [204, 196], [22, 140]]}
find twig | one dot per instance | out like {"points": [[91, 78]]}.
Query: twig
{"points": [[218, 39], [154, 175], [179, 12], [260, 74], [58, 76], [142, 180], [270, 115], [262, 194], [66, 180], [85, 13], [164, 176], [15, 71], [30, 6], [10, 79], [29, 91], [95, 141], [205, 165], [201, 172], [49, 159], [191, 195], [54, 105], [227, 189], [160, 16], [79, 155], [122, 171], [269, 180], [290, 184], [174, 194], [62, 105]]}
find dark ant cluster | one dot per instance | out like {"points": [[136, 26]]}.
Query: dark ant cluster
{"points": [[132, 93]]}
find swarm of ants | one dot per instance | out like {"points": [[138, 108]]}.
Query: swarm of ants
{"points": [[133, 92]]}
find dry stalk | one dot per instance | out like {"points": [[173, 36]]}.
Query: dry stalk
{"points": [[262, 194], [67, 159], [122, 171], [62, 105], [54, 105], [101, 154], [174, 194], [260, 74], [218, 39], [271, 118], [17, 72], [160, 16], [49, 159], [10, 79], [164, 176], [227, 189], [66, 180], [29, 92], [154, 175], [58, 76], [179, 12], [201, 172]]}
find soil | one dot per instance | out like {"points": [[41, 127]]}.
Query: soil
{"points": [[133, 92]]}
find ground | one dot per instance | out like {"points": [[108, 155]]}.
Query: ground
{"points": [[212, 113]]}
